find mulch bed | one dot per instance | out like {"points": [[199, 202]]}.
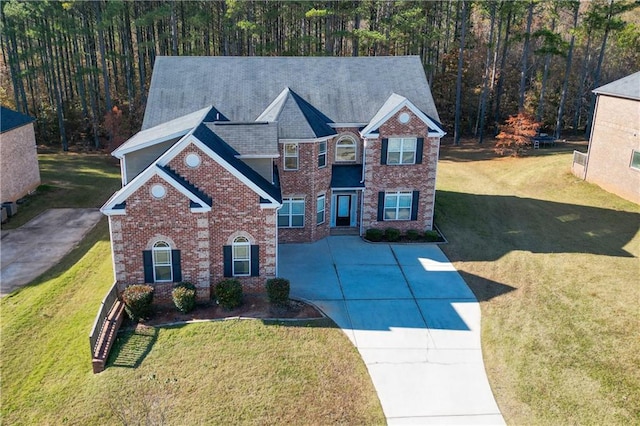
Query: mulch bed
{"points": [[253, 306]]}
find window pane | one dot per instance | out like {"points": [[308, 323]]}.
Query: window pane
{"points": [[241, 252], [161, 256], [283, 221], [635, 161], [291, 163], [290, 148], [405, 201], [284, 210], [390, 201], [409, 145], [322, 147], [345, 154], [322, 160], [241, 267], [320, 204], [163, 273], [408, 157], [404, 214], [393, 158], [297, 221], [320, 217], [389, 214], [394, 145], [297, 208]]}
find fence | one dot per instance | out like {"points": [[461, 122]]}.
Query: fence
{"points": [[107, 303], [579, 165]]}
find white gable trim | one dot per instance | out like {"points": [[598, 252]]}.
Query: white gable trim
{"points": [[367, 132], [124, 193]]}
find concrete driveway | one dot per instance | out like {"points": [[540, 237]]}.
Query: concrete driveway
{"points": [[29, 251], [413, 319]]}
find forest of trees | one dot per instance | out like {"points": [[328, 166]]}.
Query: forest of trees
{"points": [[83, 67]]}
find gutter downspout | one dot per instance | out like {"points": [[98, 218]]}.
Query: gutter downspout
{"points": [[593, 120], [276, 256]]}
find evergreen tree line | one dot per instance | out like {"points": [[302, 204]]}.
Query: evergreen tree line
{"points": [[83, 67]]}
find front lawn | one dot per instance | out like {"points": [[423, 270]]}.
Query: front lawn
{"points": [[554, 262]]}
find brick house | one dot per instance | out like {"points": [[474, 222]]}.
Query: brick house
{"points": [[238, 154], [19, 171], [613, 157]]}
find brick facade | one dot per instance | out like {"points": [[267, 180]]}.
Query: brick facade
{"points": [[19, 172], [199, 236]]}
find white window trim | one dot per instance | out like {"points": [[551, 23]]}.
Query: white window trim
{"points": [[291, 201], [633, 154], [237, 243], [355, 149], [322, 153], [402, 151], [156, 248], [397, 194], [324, 209], [285, 156]]}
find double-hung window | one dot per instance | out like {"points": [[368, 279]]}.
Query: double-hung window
{"points": [[320, 208], [322, 154], [635, 160], [346, 149], [241, 257], [397, 205], [162, 270], [401, 151], [291, 156], [291, 214]]}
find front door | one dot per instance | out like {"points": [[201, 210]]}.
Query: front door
{"points": [[343, 212]]}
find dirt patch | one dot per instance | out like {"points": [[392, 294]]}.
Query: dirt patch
{"points": [[253, 306]]}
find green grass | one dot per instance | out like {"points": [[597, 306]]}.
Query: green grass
{"points": [[69, 180], [234, 372], [554, 262]]}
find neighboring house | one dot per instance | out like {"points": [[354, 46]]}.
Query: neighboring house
{"points": [[19, 172], [613, 157], [237, 154]]}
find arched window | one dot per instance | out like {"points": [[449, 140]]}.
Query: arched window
{"points": [[241, 257], [162, 270], [346, 149]]}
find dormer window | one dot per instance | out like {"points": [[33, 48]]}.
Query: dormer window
{"points": [[346, 149]]}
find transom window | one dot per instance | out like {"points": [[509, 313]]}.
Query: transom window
{"points": [[635, 160], [162, 271], [320, 208], [291, 214], [241, 257], [397, 205], [346, 149], [322, 154], [401, 151], [291, 156]]}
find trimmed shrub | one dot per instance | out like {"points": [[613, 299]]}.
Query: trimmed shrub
{"points": [[413, 235], [374, 235], [229, 293], [278, 291], [431, 236], [137, 301], [392, 234], [184, 297]]}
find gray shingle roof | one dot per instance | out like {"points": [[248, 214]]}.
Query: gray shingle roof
{"points": [[627, 87], [346, 90], [254, 138], [10, 119]]}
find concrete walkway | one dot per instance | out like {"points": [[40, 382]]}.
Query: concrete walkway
{"points": [[413, 319], [29, 251]]}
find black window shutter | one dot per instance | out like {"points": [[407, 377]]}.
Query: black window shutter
{"points": [[419, 149], [414, 205], [176, 266], [380, 206], [383, 152], [226, 254], [255, 261], [147, 262]]}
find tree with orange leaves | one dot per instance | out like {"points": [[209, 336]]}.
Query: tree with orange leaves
{"points": [[516, 134]]}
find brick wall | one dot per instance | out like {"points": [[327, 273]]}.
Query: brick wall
{"points": [[19, 172], [416, 177], [200, 236]]}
